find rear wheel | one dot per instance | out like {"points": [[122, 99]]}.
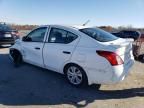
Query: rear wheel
{"points": [[76, 75]]}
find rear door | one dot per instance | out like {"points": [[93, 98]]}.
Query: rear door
{"points": [[59, 48], [32, 46]]}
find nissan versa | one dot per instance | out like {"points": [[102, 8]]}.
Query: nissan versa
{"points": [[85, 55]]}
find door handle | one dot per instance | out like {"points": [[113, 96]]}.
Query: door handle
{"points": [[66, 52], [37, 48]]}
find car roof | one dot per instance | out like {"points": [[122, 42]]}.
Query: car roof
{"points": [[76, 27]]}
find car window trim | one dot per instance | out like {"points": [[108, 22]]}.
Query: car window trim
{"points": [[47, 41], [35, 30], [93, 37]]}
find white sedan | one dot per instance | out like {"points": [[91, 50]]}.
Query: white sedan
{"points": [[85, 55]]}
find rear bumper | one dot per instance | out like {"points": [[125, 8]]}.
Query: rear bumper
{"points": [[121, 72], [112, 75], [6, 41]]}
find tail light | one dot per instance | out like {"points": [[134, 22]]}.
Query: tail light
{"points": [[112, 57], [16, 34]]}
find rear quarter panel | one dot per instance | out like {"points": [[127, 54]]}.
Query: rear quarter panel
{"points": [[97, 68]]}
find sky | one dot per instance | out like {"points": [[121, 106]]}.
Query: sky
{"points": [[73, 12]]}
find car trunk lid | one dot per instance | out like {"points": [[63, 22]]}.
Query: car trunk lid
{"points": [[122, 47]]}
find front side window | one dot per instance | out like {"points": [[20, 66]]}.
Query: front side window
{"points": [[99, 34], [37, 35], [61, 36]]}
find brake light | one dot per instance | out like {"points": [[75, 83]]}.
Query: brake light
{"points": [[112, 57], [15, 33]]}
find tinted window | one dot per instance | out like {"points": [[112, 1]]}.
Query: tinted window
{"points": [[4, 27], [99, 34], [70, 37], [37, 35], [61, 36]]}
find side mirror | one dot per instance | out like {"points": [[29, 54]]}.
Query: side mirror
{"points": [[26, 39]]}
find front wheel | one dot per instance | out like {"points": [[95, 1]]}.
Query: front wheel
{"points": [[17, 58], [96, 86], [76, 75]]}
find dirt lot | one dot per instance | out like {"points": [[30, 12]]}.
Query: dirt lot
{"points": [[33, 87]]}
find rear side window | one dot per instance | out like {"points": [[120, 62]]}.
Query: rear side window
{"points": [[61, 36], [70, 37], [99, 34]]}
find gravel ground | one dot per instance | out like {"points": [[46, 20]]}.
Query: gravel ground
{"points": [[32, 87]]}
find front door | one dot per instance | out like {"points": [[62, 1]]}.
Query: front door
{"points": [[32, 46]]}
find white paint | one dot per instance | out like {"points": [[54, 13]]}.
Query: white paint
{"points": [[83, 53]]}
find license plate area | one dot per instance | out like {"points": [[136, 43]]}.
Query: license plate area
{"points": [[7, 35]]}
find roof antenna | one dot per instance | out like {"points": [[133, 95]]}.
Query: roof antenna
{"points": [[86, 22]]}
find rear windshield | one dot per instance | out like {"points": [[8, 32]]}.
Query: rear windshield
{"points": [[98, 34], [4, 27]]}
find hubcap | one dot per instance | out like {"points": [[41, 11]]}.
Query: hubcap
{"points": [[74, 75]]}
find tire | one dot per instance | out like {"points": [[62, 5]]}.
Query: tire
{"points": [[17, 58], [76, 76], [12, 44], [96, 86]]}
